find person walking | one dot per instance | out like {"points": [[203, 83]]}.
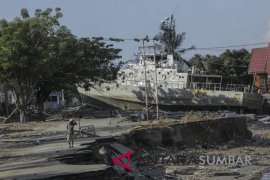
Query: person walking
{"points": [[70, 132]]}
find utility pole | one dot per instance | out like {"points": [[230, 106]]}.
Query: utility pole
{"points": [[156, 83], [80, 133], [145, 80]]}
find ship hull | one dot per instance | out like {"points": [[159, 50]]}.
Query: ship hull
{"points": [[133, 97]]}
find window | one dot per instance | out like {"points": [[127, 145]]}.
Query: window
{"points": [[53, 98]]}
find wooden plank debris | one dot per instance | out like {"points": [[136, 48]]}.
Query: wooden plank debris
{"points": [[5, 120]]}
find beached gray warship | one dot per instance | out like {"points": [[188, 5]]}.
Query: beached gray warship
{"points": [[158, 78]]}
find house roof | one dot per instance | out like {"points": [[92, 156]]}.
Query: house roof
{"points": [[260, 60]]}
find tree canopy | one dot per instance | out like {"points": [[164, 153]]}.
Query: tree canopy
{"points": [[169, 40], [231, 63], [38, 55]]}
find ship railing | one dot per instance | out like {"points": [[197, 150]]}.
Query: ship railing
{"points": [[207, 86], [195, 85], [160, 83], [238, 87], [179, 85]]}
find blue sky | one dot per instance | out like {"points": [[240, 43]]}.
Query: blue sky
{"points": [[207, 23]]}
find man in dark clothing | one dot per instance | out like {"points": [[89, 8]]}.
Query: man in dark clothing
{"points": [[70, 132]]}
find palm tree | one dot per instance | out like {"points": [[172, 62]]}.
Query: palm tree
{"points": [[197, 61], [169, 41]]}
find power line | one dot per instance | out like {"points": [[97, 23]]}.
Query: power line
{"points": [[231, 46], [230, 65], [218, 49], [214, 48]]}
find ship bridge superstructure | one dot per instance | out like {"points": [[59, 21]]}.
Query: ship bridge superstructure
{"points": [[170, 72]]}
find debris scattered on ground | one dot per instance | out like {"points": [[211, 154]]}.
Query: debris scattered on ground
{"points": [[202, 133], [194, 116]]}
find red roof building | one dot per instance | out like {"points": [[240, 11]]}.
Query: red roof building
{"points": [[259, 66]]}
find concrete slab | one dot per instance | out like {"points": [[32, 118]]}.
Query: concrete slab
{"points": [[50, 171], [37, 161]]}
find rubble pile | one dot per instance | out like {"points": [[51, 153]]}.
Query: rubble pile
{"points": [[215, 131], [168, 149], [194, 116]]}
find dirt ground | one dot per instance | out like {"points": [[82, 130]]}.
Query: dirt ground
{"points": [[20, 141]]}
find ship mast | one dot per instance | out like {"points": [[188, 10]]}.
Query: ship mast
{"points": [[145, 79], [156, 83]]}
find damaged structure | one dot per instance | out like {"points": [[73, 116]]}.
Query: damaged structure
{"points": [[137, 150], [162, 79]]}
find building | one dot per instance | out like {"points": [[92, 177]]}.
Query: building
{"points": [[259, 66], [54, 101]]}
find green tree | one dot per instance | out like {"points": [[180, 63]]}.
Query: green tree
{"points": [[198, 61], [169, 40], [23, 44], [38, 55], [75, 63], [231, 63], [214, 65]]}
